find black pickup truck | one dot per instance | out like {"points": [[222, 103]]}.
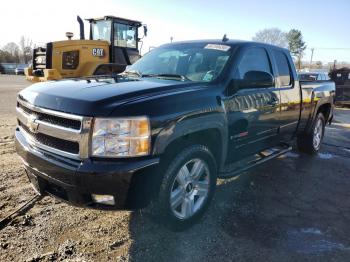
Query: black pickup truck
{"points": [[160, 134]]}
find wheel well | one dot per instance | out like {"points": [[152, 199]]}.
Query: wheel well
{"points": [[146, 183], [325, 109], [210, 138]]}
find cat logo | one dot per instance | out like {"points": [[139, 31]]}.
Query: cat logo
{"points": [[98, 52]]}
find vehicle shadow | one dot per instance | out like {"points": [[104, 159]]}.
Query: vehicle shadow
{"points": [[249, 216], [154, 242]]}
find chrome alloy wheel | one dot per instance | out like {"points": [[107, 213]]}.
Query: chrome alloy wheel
{"points": [[190, 188], [318, 133]]}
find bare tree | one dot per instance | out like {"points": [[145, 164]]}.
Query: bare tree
{"points": [[6, 57], [272, 36], [26, 45], [12, 51]]}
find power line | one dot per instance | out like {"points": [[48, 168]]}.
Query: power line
{"points": [[330, 48]]}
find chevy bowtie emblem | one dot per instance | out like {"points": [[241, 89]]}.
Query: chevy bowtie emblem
{"points": [[32, 124]]}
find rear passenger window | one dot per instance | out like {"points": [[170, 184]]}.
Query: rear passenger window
{"points": [[283, 68], [254, 59]]}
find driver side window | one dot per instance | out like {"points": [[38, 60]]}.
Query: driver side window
{"points": [[125, 35], [253, 59]]}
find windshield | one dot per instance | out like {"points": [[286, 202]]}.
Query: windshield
{"points": [[101, 30], [21, 66], [194, 62]]}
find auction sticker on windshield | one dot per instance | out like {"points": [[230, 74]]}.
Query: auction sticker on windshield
{"points": [[218, 47]]}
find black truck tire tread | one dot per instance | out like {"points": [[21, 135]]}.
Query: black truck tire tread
{"points": [[305, 141], [159, 208]]}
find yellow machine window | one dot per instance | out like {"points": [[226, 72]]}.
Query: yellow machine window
{"points": [[125, 35], [101, 30]]}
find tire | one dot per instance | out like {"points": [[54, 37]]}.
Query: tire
{"points": [[185, 194], [311, 142]]}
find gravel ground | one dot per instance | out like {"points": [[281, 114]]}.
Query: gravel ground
{"points": [[294, 208]]}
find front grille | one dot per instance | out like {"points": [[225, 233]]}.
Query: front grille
{"points": [[55, 120], [60, 133], [60, 144]]}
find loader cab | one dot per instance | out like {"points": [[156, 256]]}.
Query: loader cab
{"points": [[122, 34]]}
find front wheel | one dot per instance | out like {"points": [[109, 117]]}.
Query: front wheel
{"points": [[187, 188], [311, 142]]}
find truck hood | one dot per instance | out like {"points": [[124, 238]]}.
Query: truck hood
{"points": [[98, 97]]}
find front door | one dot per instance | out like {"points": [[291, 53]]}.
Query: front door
{"points": [[252, 112]]}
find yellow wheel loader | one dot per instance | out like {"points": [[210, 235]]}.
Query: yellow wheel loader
{"points": [[113, 44]]}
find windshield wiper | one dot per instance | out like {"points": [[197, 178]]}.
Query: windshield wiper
{"points": [[181, 77], [140, 75], [133, 72]]}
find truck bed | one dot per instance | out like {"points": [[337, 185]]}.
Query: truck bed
{"points": [[314, 94]]}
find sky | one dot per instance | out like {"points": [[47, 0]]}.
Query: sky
{"points": [[324, 24]]}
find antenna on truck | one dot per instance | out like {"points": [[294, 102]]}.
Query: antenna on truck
{"points": [[224, 38]]}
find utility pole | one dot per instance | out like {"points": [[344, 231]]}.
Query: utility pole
{"points": [[312, 56]]}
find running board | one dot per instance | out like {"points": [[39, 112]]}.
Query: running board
{"points": [[237, 168]]}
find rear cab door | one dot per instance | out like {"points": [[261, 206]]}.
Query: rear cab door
{"points": [[290, 94], [252, 112]]}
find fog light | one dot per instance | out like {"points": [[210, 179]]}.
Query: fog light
{"points": [[103, 199]]}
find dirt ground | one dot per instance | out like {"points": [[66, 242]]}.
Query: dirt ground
{"points": [[294, 208]]}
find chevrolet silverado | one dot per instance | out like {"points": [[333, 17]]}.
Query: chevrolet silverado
{"points": [[159, 135]]}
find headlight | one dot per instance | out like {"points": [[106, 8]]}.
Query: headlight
{"points": [[70, 60], [121, 137]]}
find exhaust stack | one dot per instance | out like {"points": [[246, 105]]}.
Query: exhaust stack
{"points": [[81, 26]]}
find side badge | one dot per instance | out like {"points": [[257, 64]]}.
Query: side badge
{"points": [[98, 52]]}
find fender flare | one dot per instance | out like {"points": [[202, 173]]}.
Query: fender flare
{"points": [[319, 99], [183, 127]]}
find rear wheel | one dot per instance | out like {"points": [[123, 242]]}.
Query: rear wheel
{"points": [[186, 189], [311, 142]]}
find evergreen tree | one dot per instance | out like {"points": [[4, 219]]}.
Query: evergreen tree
{"points": [[296, 45]]}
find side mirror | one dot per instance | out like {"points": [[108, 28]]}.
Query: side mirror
{"points": [[256, 79]]}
